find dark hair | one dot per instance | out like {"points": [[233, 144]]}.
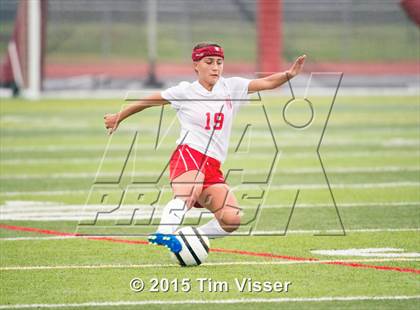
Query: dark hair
{"points": [[205, 44]]}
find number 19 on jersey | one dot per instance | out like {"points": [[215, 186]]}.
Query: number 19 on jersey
{"points": [[217, 121]]}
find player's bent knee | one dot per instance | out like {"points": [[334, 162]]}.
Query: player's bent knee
{"points": [[230, 222]]}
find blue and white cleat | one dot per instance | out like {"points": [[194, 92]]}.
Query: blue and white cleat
{"points": [[168, 240]]}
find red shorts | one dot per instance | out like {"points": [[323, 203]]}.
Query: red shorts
{"points": [[185, 158]]}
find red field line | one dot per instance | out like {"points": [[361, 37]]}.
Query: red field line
{"points": [[239, 252]]}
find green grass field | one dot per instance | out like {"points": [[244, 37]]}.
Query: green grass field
{"points": [[53, 151]]}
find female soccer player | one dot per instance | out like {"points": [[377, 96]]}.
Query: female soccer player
{"points": [[206, 109]]}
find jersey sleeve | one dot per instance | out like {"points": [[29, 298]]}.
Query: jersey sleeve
{"points": [[239, 89], [175, 95]]}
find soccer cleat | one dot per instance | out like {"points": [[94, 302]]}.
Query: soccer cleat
{"points": [[168, 240]]}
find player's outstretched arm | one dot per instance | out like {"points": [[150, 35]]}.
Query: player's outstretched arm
{"points": [[113, 120], [275, 80]]}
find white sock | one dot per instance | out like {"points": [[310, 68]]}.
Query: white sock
{"points": [[213, 229], [172, 216]]}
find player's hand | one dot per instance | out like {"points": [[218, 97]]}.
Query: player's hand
{"points": [[111, 122], [297, 66]]}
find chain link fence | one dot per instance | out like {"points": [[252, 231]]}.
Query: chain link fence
{"points": [[110, 38]]}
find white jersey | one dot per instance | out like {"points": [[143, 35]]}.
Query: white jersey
{"points": [[206, 116]]}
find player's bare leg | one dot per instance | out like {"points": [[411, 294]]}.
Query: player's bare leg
{"points": [[186, 189], [188, 186], [223, 204]]}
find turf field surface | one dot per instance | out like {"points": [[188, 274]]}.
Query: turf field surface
{"points": [[53, 151]]}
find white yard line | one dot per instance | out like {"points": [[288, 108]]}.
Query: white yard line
{"points": [[309, 170], [334, 231], [249, 186], [89, 217], [48, 212], [368, 252], [291, 141], [37, 238], [342, 186], [46, 193], [210, 301], [39, 208], [80, 149], [277, 233], [160, 159], [288, 262]]}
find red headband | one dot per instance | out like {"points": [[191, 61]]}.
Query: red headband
{"points": [[212, 50]]}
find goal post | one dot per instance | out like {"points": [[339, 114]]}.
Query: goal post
{"points": [[22, 65], [33, 89]]}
